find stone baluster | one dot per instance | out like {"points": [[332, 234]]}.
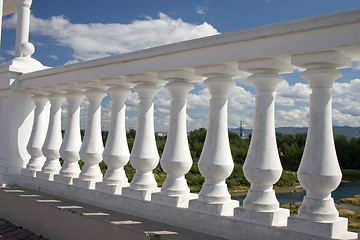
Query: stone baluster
{"points": [[319, 172], [23, 25], [38, 134], [144, 156], [216, 163], [70, 147], [176, 159], [53, 138], [116, 153], [92, 147], [262, 166]]}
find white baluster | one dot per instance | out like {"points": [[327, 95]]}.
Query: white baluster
{"points": [[70, 147], [38, 134], [116, 153], [53, 139], [144, 156], [216, 163], [176, 159], [22, 25], [319, 171], [262, 166], [92, 147]]}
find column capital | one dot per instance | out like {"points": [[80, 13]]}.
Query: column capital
{"points": [[324, 59], [218, 70], [149, 78], [266, 65], [119, 82], [23, 3], [179, 75]]}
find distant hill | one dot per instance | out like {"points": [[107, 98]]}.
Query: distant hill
{"points": [[349, 132]]}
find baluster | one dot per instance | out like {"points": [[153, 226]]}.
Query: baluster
{"points": [[144, 156], [262, 166], [116, 153], [70, 147], [319, 171], [92, 147], [38, 134], [216, 163], [53, 139], [176, 159]]}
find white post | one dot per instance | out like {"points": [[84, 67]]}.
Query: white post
{"points": [[53, 139], [1, 15], [38, 134], [92, 147], [319, 171], [70, 147], [144, 156], [216, 163], [116, 153], [176, 159], [23, 25], [262, 166]]}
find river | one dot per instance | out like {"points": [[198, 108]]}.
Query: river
{"points": [[345, 190]]}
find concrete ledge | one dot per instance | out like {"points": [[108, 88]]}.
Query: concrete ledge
{"points": [[59, 218]]}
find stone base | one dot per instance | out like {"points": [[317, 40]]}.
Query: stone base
{"points": [[139, 194], [277, 218], [45, 176], [27, 172], [326, 229], [63, 179], [181, 201], [223, 209], [88, 184], [110, 188]]}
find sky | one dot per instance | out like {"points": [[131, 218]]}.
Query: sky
{"points": [[80, 30]]}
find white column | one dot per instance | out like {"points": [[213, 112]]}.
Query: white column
{"points": [[216, 163], [176, 159], [319, 172], [262, 166], [144, 156], [92, 147], [70, 147], [23, 24], [1, 13], [53, 139], [116, 153], [38, 134]]}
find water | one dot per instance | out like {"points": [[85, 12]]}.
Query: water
{"points": [[345, 190]]}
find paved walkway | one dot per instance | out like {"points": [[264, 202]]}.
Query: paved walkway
{"points": [[11, 232]]}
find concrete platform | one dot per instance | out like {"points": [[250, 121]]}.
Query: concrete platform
{"points": [[59, 218]]}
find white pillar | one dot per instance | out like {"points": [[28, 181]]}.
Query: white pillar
{"points": [[116, 153], [319, 172], [144, 156], [70, 147], [262, 166], [216, 163], [38, 134], [176, 159], [23, 24], [92, 147], [53, 139], [1, 15]]}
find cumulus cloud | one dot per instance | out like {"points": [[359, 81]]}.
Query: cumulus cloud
{"points": [[95, 40], [201, 10]]}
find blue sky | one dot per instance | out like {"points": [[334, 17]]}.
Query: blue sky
{"points": [[69, 31]]}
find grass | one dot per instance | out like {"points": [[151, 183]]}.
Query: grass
{"points": [[352, 200], [351, 175]]}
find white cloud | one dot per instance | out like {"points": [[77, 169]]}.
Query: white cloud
{"points": [[355, 64], [201, 10], [54, 57], [95, 40], [292, 118]]}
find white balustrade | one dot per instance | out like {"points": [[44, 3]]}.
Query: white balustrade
{"points": [[53, 139], [262, 167], [176, 159], [92, 147], [38, 135], [70, 147], [216, 163], [144, 156], [116, 153], [319, 171]]}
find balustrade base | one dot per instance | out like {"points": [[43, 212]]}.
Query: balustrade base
{"points": [[63, 179], [87, 184], [45, 176], [28, 172], [139, 194], [111, 188], [328, 229], [181, 201], [219, 209], [276, 218]]}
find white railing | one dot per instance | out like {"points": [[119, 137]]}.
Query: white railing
{"points": [[31, 143]]}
